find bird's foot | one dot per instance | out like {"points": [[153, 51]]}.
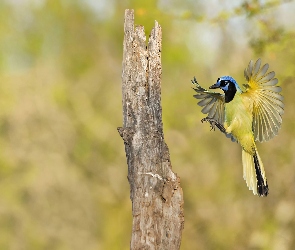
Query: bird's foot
{"points": [[211, 121], [213, 124]]}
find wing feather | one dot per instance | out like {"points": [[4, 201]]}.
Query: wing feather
{"points": [[205, 101], [212, 112], [256, 67], [262, 71], [268, 106], [212, 103], [272, 82], [266, 77]]}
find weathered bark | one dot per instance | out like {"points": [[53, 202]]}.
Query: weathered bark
{"points": [[155, 192]]}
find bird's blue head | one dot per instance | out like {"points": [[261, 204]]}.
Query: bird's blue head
{"points": [[224, 83], [228, 85]]}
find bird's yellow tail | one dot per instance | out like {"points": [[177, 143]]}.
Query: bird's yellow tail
{"points": [[254, 174]]}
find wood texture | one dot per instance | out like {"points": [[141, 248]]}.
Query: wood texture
{"points": [[155, 192]]}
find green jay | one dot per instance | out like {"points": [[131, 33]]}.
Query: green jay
{"points": [[252, 112]]}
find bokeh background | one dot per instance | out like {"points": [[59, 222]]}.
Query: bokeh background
{"points": [[63, 172]]}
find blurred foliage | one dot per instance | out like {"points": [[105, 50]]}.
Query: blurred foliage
{"points": [[62, 163]]}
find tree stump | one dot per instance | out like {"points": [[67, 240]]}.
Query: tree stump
{"points": [[155, 192]]}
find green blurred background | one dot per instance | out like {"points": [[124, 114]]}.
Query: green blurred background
{"points": [[63, 169]]}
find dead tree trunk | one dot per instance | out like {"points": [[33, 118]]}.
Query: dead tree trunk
{"points": [[155, 192]]}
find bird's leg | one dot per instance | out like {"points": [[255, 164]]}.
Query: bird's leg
{"points": [[214, 123], [211, 121]]}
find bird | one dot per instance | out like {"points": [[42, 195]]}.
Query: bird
{"points": [[246, 113]]}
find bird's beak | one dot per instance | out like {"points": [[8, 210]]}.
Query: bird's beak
{"points": [[214, 86]]}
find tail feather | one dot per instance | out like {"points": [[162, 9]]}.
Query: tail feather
{"points": [[254, 174], [260, 175]]}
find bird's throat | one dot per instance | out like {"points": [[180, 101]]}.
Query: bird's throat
{"points": [[230, 93]]}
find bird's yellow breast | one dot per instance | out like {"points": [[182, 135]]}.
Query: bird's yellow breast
{"points": [[238, 120]]}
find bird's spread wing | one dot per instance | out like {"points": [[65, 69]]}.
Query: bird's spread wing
{"points": [[268, 104], [212, 103]]}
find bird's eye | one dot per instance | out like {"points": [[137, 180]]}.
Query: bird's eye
{"points": [[218, 79], [223, 83]]}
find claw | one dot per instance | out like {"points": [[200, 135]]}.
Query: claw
{"points": [[214, 124], [211, 121]]}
